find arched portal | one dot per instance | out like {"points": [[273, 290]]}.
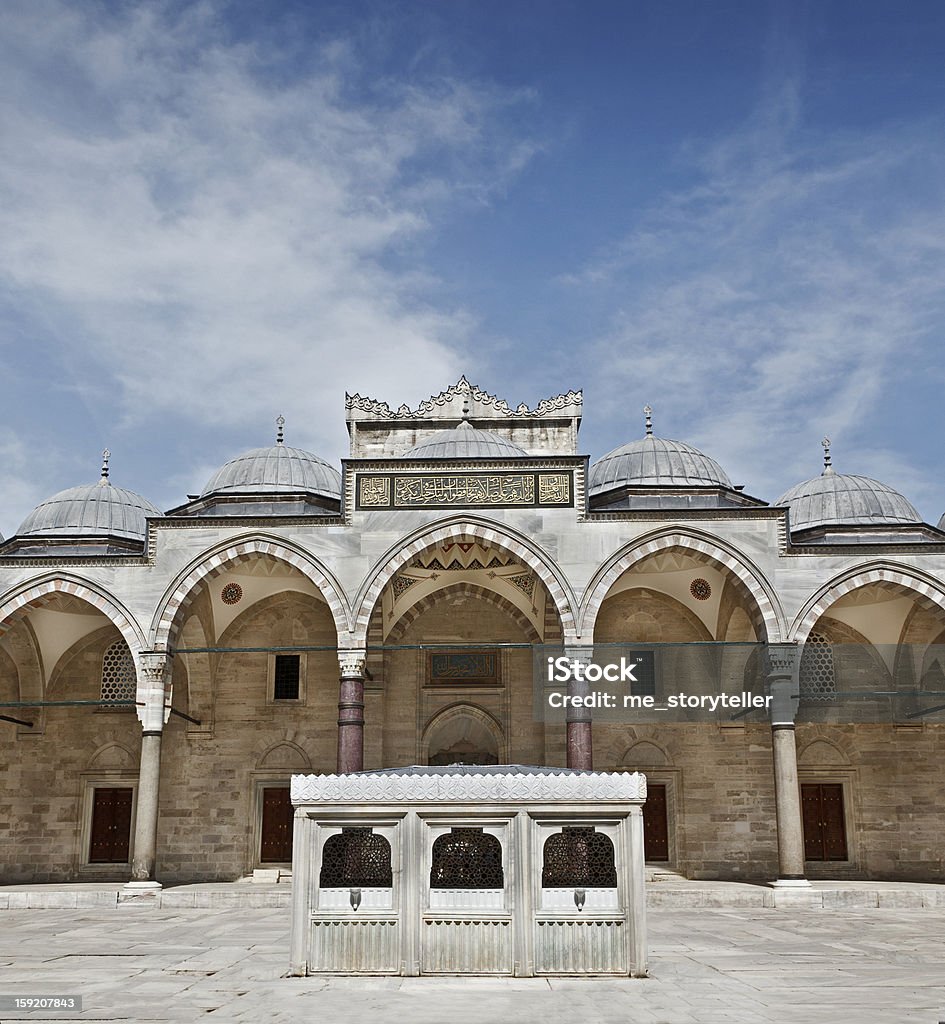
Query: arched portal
{"points": [[68, 651], [457, 625]]}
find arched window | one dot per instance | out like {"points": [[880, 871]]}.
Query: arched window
{"points": [[818, 681], [578, 857], [119, 680], [357, 857], [467, 858]]}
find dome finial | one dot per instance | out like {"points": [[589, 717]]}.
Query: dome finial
{"points": [[280, 432], [828, 468], [106, 455], [648, 420], [466, 408]]}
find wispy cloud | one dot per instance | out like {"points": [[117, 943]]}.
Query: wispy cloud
{"points": [[784, 295], [217, 233]]}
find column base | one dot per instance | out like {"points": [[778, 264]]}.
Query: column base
{"points": [[790, 883], [142, 888]]}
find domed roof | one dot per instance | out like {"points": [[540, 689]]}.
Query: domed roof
{"points": [[834, 499], [465, 442], [92, 510], [656, 462], [278, 469]]}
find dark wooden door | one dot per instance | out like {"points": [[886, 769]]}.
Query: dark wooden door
{"points": [[655, 826], [825, 835], [111, 826], [277, 818]]}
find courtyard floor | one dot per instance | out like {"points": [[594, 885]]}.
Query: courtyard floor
{"points": [[135, 962]]}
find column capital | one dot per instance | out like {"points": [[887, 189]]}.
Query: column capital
{"points": [[351, 663], [155, 669], [782, 678], [782, 660]]}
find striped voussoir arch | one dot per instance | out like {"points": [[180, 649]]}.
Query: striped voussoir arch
{"points": [[466, 589], [46, 592], [923, 591], [464, 532], [184, 592], [761, 610]]}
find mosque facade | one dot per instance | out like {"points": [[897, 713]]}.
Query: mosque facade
{"points": [[163, 675]]}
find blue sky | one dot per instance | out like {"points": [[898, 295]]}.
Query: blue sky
{"points": [[211, 213]]}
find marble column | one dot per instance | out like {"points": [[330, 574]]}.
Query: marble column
{"points": [[154, 701], [579, 726], [783, 663], [351, 711]]}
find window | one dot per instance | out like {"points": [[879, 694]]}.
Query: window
{"points": [[357, 857], [645, 671], [286, 678], [578, 857], [818, 681], [467, 858], [119, 680]]}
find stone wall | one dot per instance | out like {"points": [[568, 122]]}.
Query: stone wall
{"points": [[48, 771], [210, 781]]}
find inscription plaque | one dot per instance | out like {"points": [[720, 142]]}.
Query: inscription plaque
{"points": [[464, 490]]}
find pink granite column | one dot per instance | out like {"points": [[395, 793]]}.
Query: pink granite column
{"points": [[351, 712], [579, 728]]}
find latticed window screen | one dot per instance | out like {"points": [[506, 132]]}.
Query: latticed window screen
{"points": [[817, 679], [578, 857], [357, 857], [467, 858], [286, 675], [119, 681]]}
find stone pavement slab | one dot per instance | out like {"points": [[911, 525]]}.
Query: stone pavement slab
{"points": [[708, 966]]}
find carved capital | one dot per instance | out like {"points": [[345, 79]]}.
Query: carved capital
{"points": [[583, 653], [351, 664], [782, 660], [155, 670]]}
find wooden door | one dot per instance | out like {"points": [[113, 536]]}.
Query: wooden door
{"points": [[655, 825], [111, 826], [825, 835], [277, 818]]}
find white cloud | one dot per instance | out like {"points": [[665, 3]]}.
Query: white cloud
{"points": [[782, 297], [220, 237]]}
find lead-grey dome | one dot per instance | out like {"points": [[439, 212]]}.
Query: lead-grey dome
{"points": [[841, 499], [465, 442], [92, 510], [656, 462], [278, 469]]}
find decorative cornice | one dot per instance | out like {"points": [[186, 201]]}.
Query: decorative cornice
{"points": [[463, 388], [496, 787]]}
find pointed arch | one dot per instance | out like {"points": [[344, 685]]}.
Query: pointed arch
{"points": [[452, 718], [821, 752], [284, 753], [466, 589], [168, 620], [462, 529], [901, 578], [767, 616], [45, 591]]}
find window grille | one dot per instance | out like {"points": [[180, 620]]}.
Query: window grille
{"points": [[119, 680], [818, 681], [467, 858], [357, 857], [286, 677], [578, 857]]}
